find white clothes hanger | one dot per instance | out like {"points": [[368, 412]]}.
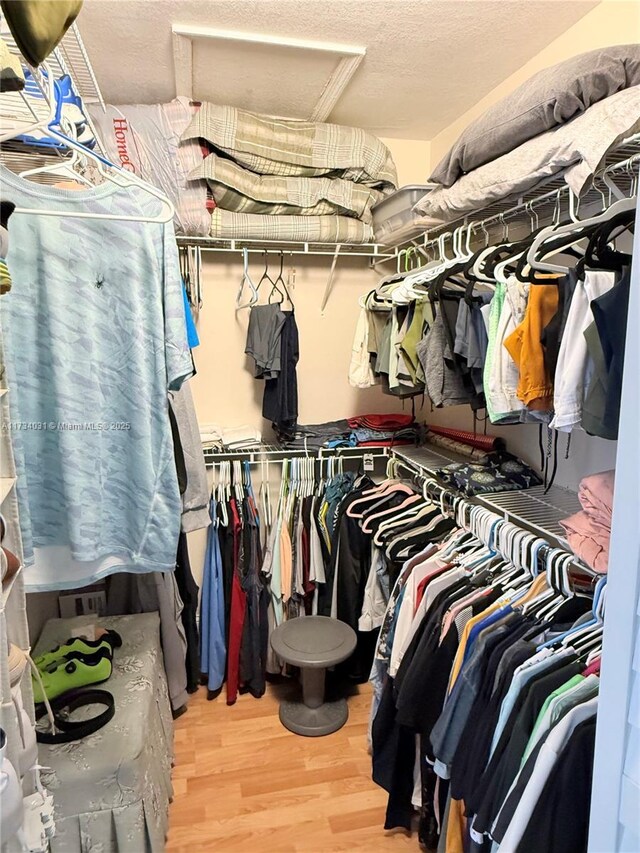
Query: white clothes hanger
{"points": [[115, 174], [65, 168], [246, 280], [500, 271]]}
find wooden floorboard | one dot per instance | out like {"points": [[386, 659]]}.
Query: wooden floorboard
{"points": [[244, 784]]}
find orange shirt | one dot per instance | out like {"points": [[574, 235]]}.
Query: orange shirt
{"points": [[523, 345]]}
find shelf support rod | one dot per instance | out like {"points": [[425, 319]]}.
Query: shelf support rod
{"points": [[329, 287]]}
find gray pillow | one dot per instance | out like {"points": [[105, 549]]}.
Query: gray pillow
{"points": [[549, 98]]}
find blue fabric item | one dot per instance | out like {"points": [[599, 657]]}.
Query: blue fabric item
{"points": [[192, 332], [213, 651], [341, 442], [489, 620], [94, 336]]}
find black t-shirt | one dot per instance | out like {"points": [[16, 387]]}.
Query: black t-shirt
{"points": [[551, 336], [472, 754], [560, 819], [505, 762], [610, 313]]}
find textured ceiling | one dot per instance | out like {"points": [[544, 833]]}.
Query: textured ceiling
{"points": [[427, 60]]}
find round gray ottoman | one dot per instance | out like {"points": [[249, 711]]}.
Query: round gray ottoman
{"points": [[313, 643]]}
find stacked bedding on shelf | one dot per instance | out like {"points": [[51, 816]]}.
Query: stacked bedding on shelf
{"points": [[563, 120], [215, 163], [275, 179], [360, 431]]}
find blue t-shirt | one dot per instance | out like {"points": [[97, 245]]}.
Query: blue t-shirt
{"points": [[95, 335]]}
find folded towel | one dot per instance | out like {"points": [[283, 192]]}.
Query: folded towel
{"points": [[588, 540], [596, 496], [589, 531]]}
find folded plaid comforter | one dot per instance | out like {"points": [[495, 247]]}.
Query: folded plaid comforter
{"points": [[274, 146], [226, 224], [242, 191]]}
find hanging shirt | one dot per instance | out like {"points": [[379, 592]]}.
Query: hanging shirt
{"points": [[213, 650], [547, 758], [360, 372], [574, 369], [501, 374], [375, 602], [523, 345], [95, 336]]}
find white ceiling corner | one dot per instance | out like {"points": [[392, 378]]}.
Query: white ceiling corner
{"points": [[348, 59]]}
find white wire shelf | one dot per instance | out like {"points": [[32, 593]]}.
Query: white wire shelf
{"points": [[619, 166], [533, 508], [427, 458], [274, 453], [372, 251], [72, 58], [21, 110]]}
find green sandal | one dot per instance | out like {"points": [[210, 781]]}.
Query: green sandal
{"points": [[77, 670], [111, 640]]}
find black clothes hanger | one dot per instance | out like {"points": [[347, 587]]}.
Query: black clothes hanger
{"points": [[284, 293], [265, 274], [470, 267], [527, 275], [600, 254], [499, 254]]}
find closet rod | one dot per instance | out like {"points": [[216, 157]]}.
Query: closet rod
{"points": [[373, 251], [279, 454]]}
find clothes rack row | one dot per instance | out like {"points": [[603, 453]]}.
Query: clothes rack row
{"points": [[275, 454], [529, 326], [270, 559], [486, 627]]}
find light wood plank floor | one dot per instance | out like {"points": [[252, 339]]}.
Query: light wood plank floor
{"points": [[244, 783]]}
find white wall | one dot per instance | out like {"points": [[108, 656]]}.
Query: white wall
{"points": [[225, 391], [611, 22], [413, 159]]}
